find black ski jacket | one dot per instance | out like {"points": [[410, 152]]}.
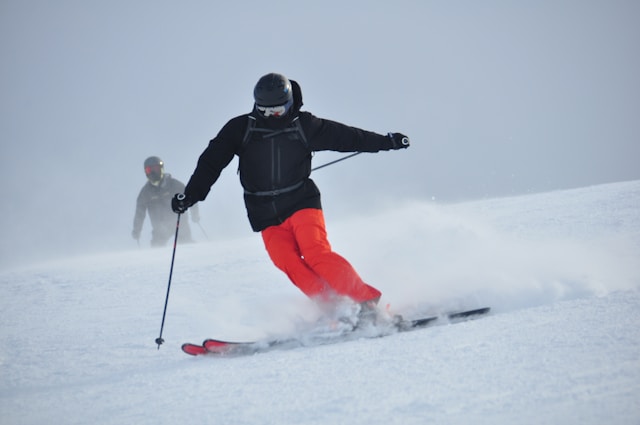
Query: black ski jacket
{"points": [[275, 159], [156, 200]]}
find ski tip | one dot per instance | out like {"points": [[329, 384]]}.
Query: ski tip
{"points": [[470, 313], [484, 310], [194, 349], [215, 346]]}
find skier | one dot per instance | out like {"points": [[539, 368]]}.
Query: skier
{"points": [[274, 144], [155, 198]]}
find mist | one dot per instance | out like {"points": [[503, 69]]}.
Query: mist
{"points": [[499, 99]]}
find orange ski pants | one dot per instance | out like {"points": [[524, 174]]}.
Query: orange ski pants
{"points": [[299, 247]]}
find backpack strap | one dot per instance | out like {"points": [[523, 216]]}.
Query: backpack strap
{"points": [[296, 121], [251, 127]]}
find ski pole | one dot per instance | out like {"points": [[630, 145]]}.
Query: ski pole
{"points": [[159, 339], [205, 233], [405, 142], [337, 160]]}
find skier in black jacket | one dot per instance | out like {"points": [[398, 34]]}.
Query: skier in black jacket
{"points": [[154, 198], [274, 144]]}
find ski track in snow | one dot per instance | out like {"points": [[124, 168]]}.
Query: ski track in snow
{"points": [[560, 270]]}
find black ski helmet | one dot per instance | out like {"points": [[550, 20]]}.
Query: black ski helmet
{"points": [[154, 169], [272, 90]]}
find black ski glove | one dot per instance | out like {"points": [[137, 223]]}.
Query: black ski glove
{"points": [[399, 140], [180, 203]]}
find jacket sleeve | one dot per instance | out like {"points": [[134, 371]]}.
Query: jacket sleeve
{"points": [[323, 134], [141, 211], [215, 158]]}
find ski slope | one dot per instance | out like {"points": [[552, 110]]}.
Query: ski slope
{"points": [[561, 271]]}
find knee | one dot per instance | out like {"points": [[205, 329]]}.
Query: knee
{"points": [[317, 254], [284, 259]]}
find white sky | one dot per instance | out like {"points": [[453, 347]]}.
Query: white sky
{"points": [[499, 98]]}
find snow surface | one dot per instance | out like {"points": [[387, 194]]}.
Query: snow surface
{"points": [[561, 271]]}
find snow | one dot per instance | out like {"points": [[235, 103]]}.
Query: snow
{"points": [[562, 345]]}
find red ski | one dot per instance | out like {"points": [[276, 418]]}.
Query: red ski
{"points": [[220, 348]]}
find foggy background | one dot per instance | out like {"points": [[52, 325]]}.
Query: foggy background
{"points": [[499, 98]]}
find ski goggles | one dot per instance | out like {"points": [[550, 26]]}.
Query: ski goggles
{"points": [[274, 111], [152, 169]]}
